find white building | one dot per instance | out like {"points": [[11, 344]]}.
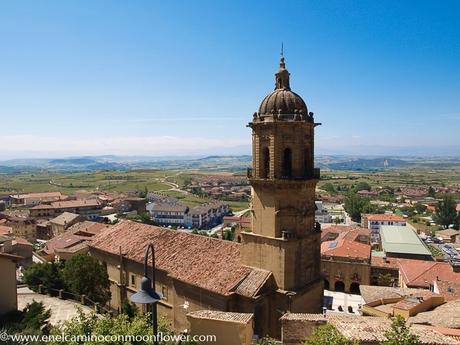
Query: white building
{"points": [[373, 222], [321, 214]]}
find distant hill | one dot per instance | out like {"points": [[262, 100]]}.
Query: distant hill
{"points": [[369, 164], [229, 163], [74, 161]]}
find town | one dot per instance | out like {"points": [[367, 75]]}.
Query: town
{"points": [[385, 250]]}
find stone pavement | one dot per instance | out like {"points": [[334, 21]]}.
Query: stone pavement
{"points": [[61, 310]]}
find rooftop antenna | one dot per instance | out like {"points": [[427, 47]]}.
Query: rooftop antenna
{"points": [[282, 49]]}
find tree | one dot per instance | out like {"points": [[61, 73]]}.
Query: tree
{"points": [[328, 335], [32, 320], [140, 327], [267, 341], [129, 309], [35, 316], [329, 187], [46, 274], [143, 194], [355, 205], [431, 192], [446, 213], [85, 275], [385, 279], [399, 333], [362, 186], [420, 208]]}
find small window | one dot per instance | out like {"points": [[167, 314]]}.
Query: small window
{"points": [[133, 280], [164, 292]]}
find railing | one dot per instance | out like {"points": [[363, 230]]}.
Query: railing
{"points": [[82, 299], [315, 174]]}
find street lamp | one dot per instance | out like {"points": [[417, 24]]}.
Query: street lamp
{"points": [[147, 294]]}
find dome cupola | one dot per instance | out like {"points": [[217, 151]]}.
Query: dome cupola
{"points": [[282, 103]]}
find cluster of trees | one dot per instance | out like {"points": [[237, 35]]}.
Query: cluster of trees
{"points": [[446, 213], [34, 321], [80, 275], [355, 205]]}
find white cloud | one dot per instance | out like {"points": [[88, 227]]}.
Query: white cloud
{"points": [[35, 146]]}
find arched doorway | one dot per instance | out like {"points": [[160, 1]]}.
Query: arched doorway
{"points": [[339, 286], [354, 288], [326, 284]]}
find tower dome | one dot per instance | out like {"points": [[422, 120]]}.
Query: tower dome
{"points": [[283, 103]]}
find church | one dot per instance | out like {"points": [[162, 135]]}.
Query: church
{"points": [[272, 269]]}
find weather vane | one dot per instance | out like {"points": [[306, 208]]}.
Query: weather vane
{"points": [[282, 49]]}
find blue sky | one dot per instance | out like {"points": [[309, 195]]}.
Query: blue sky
{"points": [[184, 77]]}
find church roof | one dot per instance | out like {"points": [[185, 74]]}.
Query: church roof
{"points": [[206, 262]]}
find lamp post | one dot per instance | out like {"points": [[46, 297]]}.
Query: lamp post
{"points": [[147, 293]]}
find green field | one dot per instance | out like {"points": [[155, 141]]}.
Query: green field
{"points": [[418, 177], [69, 183], [160, 181]]}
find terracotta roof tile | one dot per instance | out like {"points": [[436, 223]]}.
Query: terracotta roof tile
{"points": [[346, 249], [209, 263], [368, 329], [243, 318], [385, 217]]}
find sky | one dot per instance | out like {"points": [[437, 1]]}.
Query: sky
{"points": [[92, 77]]}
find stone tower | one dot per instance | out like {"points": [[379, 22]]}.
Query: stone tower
{"points": [[285, 238]]}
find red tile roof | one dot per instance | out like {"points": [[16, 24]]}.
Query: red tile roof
{"points": [[385, 217], [76, 234], [346, 248], [76, 203], [418, 273], [449, 289], [5, 230], [209, 263]]}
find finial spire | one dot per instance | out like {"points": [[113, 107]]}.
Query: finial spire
{"points": [[282, 76]]}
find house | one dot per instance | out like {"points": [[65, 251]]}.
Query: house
{"points": [[90, 208], [373, 222], [31, 199], [448, 235], [168, 214], [229, 328], [24, 227], [72, 242], [321, 214], [414, 273], [60, 223], [8, 292], [404, 303]]}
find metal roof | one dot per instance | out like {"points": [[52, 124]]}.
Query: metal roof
{"points": [[402, 239]]}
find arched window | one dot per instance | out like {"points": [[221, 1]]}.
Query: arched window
{"points": [[266, 163], [287, 163]]}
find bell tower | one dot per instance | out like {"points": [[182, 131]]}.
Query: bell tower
{"points": [[285, 238]]}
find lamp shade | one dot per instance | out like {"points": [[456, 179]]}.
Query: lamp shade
{"points": [[146, 295]]}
